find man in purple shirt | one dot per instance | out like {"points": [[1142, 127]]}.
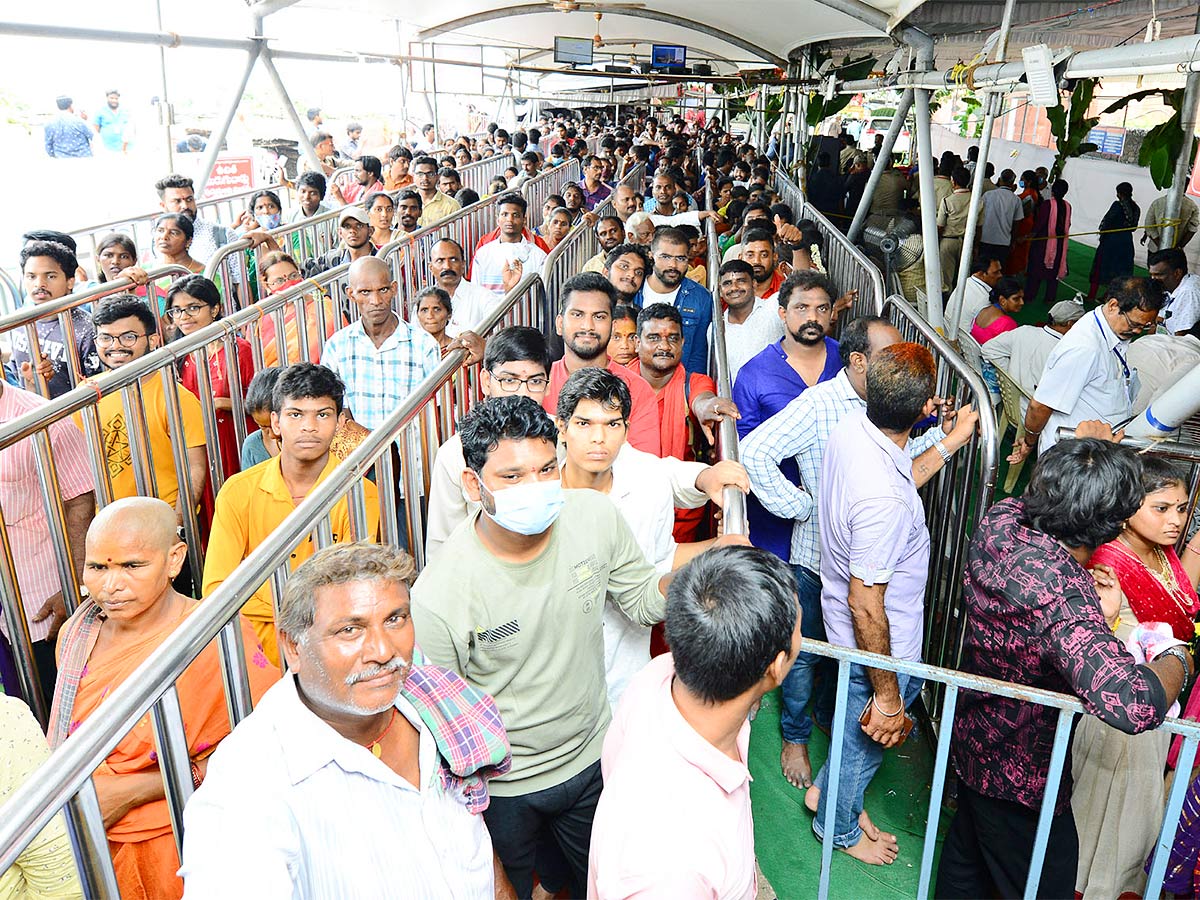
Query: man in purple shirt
{"points": [[1035, 618], [595, 191], [874, 563], [778, 375]]}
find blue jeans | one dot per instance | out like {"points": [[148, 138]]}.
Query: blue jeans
{"points": [[797, 688], [861, 758]]}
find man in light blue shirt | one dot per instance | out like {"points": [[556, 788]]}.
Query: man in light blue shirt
{"points": [[112, 124]]}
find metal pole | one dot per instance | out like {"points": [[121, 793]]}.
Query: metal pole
{"points": [[89, 843], [437, 122], [995, 101], [174, 762], [213, 149], [885, 155], [290, 110], [929, 234], [1187, 121], [164, 106]]}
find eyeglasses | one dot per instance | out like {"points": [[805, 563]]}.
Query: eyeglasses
{"points": [[1137, 327], [281, 280], [666, 258], [125, 339], [182, 312], [535, 384]]}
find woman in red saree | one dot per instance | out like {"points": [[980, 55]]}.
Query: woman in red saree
{"points": [[1118, 799], [1018, 257], [132, 556], [280, 272]]}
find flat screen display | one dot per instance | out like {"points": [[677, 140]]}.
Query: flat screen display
{"points": [[573, 51], [664, 55]]}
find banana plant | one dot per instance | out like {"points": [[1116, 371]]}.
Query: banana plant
{"points": [[1071, 126], [820, 109], [1164, 142]]}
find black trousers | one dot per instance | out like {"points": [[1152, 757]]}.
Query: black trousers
{"points": [[989, 846], [566, 810]]}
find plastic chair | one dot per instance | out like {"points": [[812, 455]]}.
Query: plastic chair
{"points": [[1010, 395]]}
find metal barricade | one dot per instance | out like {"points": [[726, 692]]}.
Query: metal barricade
{"points": [[65, 779], [848, 266], [958, 496], [10, 294], [733, 501], [141, 227], [478, 175], [550, 181]]}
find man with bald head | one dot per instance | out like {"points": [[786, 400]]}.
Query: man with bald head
{"points": [[132, 554], [625, 202], [379, 357]]}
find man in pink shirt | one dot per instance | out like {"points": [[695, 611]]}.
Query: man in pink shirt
{"points": [[674, 817], [585, 322]]}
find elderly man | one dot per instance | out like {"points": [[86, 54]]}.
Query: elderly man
{"points": [[306, 407], [1088, 375], [133, 553], [1022, 352], [381, 358], [514, 603], [800, 432], [363, 749], [1181, 312], [639, 229], [471, 304], [874, 564], [33, 551], [675, 818]]}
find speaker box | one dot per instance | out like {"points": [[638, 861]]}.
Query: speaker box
{"points": [[702, 69], [618, 69], [677, 70]]}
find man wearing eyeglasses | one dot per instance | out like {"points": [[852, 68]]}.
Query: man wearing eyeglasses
{"points": [[668, 283], [126, 330], [1088, 375]]}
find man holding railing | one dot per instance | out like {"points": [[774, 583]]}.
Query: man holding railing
{"points": [[510, 246]]}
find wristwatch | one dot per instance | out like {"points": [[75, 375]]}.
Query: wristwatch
{"points": [[945, 454], [1180, 654]]}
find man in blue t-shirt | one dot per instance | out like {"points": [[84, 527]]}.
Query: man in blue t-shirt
{"points": [[112, 124]]}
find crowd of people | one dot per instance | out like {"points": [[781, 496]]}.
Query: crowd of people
{"points": [[559, 702]]}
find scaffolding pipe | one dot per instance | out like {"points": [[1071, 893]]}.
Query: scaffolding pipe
{"points": [[217, 138], [995, 101], [289, 109], [1187, 121], [881, 165], [1169, 56], [929, 234]]}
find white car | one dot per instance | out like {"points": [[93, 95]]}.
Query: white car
{"points": [[880, 125]]}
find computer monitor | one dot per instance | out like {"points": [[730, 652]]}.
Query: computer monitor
{"points": [[664, 56], [573, 51]]}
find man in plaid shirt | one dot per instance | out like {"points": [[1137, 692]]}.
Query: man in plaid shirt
{"points": [[801, 430], [381, 358]]}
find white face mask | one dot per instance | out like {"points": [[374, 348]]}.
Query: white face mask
{"points": [[528, 508], [268, 220]]}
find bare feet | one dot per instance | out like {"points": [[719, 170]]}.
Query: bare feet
{"points": [[796, 767], [876, 847]]}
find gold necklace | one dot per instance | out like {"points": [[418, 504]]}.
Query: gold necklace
{"points": [[374, 745]]}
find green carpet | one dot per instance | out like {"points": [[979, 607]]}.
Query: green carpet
{"points": [[788, 852], [1079, 268]]}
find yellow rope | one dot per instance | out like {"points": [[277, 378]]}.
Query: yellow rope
{"points": [[1055, 237]]}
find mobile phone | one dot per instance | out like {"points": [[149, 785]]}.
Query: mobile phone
{"points": [[905, 731]]}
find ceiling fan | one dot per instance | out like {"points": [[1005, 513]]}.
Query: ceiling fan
{"points": [[578, 5]]}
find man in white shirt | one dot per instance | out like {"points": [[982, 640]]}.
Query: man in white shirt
{"points": [[1181, 312], [470, 303], [1189, 215], [1088, 375], [510, 246], [1161, 360], [593, 422], [751, 323], [1022, 352], [1001, 208], [351, 752], [974, 296]]}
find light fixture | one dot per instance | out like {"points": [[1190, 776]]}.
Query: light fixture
{"points": [[1039, 73]]}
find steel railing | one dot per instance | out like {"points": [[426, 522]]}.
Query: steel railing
{"points": [[549, 181], [140, 227], [733, 513], [479, 174], [65, 779], [958, 496], [847, 265], [10, 294]]}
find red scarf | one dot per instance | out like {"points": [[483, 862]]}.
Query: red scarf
{"points": [[1149, 598]]}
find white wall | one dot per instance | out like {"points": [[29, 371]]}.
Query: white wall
{"points": [[1093, 183]]}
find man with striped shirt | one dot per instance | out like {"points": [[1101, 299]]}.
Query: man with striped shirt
{"points": [[33, 550]]}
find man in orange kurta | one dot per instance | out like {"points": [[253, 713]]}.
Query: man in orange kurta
{"points": [[132, 556]]}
